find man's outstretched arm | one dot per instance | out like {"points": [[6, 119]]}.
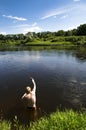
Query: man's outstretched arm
{"points": [[34, 85], [23, 96]]}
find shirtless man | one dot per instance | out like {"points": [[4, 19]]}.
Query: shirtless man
{"points": [[30, 96]]}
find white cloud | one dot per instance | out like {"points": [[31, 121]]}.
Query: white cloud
{"points": [[76, 0], [69, 17], [32, 29], [53, 13], [24, 28], [20, 26], [34, 24], [64, 10], [4, 33], [64, 17], [54, 17], [14, 17]]}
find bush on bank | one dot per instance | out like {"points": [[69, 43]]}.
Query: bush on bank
{"points": [[67, 120]]}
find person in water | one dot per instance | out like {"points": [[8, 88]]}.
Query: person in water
{"points": [[30, 96]]}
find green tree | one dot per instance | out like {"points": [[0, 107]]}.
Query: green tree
{"points": [[60, 33], [81, 30], [74, 32], [2, 37], [68, 33]]}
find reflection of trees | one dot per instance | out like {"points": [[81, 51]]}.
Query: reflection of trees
{"points": [[80, 53], [73, 94]]}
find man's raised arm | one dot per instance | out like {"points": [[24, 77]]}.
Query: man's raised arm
{"points": [[34, 87]]}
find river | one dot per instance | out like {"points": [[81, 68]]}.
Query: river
{"points": [[60, 76]]}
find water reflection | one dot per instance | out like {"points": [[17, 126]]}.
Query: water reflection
{"points": [[60, 76]]}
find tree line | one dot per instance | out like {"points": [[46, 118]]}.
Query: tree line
{"points": [[23, 39]]}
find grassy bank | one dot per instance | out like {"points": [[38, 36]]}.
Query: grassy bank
{"points": [[68, 120], [50, 41]]}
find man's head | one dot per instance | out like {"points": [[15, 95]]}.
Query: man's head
{"points": [[28, 89]]}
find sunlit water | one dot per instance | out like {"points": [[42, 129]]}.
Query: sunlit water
{"points": [[60, 76]]}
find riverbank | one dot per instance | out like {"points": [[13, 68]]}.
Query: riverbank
{"points": [[66, 120], [54, 41]]}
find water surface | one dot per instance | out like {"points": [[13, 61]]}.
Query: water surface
{"points": [[60, 76]]}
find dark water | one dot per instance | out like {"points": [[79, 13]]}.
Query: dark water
{"points": [[60, 76]]}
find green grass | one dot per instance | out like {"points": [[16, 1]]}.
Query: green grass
{"points": [[67, 120], [5, 125], [54, 41]]}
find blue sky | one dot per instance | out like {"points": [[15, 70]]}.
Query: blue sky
{"points": [[22, 16]]}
